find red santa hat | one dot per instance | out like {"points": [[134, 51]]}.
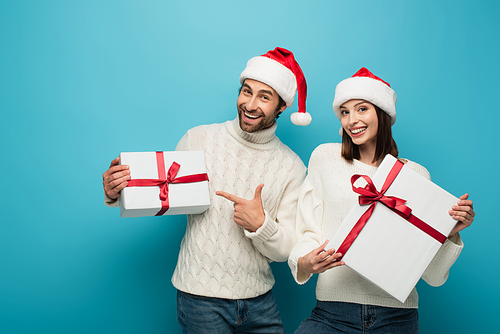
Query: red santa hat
{"points": [[279, 70], [364, 85]]}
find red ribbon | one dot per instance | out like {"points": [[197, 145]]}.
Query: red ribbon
{"points": [[164, 180], [370, 195]]}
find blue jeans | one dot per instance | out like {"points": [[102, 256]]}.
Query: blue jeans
{"points": [[338, 317], [198, 314]]}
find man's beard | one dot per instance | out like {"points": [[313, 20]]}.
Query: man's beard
{"points": [[264, 122]]}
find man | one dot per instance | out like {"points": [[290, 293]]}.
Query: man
{"points": [[223, 275]]}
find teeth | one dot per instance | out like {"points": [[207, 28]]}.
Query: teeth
{"points": [[356, 131], [251, 116]]}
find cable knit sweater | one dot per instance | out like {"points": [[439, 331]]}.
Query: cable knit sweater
{"points": [[218, 258], [325, 200]]}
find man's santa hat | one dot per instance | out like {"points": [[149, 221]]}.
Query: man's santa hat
{"points": [[364, 85], [279, 70]]}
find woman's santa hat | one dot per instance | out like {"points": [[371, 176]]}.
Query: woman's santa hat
{"points": [[364, 85], [279, 70]]}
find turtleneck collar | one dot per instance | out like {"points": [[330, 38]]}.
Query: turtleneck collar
{"points": [[260, 139]]}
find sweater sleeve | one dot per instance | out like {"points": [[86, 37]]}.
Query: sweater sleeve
{"points": [[183, 144], [111, 202], [438, 270], [308, 222], [276, 238]]}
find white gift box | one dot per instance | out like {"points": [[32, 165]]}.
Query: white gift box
{"points": [[390, 251], [183, 198]]}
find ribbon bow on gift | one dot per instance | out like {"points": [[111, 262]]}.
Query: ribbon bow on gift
{"points": [[164, 180], [370, 195]]}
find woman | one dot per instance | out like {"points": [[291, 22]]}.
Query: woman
{"points": [[347, 302]]}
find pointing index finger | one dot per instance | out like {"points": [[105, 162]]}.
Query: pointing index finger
{"points": [[228, 196]]}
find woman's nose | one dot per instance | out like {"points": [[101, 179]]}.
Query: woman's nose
{"points": [[353, 118]]}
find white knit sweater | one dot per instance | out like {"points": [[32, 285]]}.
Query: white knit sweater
{"points": [[218, 258], [325, 200]]}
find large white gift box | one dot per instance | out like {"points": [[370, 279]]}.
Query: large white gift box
{"points": [[190, 196], [390, 251]]}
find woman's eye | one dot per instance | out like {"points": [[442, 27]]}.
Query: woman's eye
{"points": [[362, 109], [344, 112]]}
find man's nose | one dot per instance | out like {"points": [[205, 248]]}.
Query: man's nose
{"points": [[252, 104]]}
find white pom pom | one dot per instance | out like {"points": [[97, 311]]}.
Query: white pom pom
{"points": [[301, 118]]}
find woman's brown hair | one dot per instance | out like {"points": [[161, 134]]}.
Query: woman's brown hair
{"points": [[385, 142]]}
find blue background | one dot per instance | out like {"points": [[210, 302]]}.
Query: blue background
{"points": [[82, 81]]}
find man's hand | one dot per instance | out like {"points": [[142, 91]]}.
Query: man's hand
{"points": [[463, 212], [318, 260], [115, 179], [249, 214]]}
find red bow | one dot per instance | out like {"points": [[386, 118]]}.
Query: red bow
{"points": [[370, 195]]}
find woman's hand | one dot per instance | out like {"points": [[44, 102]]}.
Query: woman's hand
{"points": [[463, 212], [319, 260]]}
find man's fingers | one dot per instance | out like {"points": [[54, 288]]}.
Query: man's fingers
{"points": [[111, 177], [229, 196], [258, 192], [114, 187], [115, 192], [116, 169], [117, 181], [115, 162], [115, 178], [239, 200]]}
